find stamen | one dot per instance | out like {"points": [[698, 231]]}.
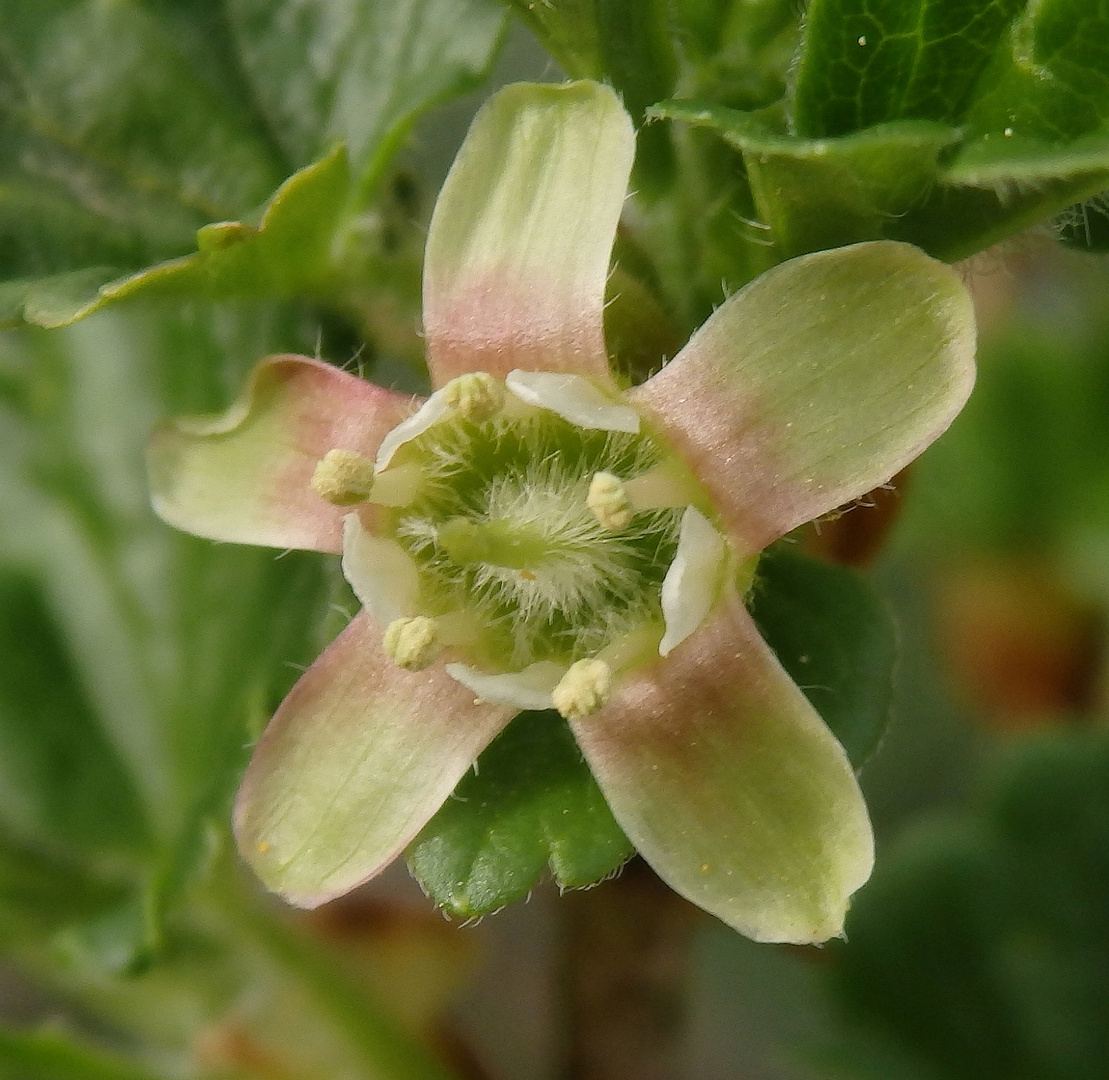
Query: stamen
{"points": [[398, 486], [423, 419], [477, 396], [584, 689], [412, 643], [634, 649], [459, 628], [608, 500], [343, 477], [665, 487]]}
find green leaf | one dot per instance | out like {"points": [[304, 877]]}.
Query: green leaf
{"points": [[1040, 122], [868, 62], [835, 637], [286, 254], [53, 300], [47, 1055], [113, 158], [114, 149], [641, 63], [701, 24], [949, 124], [530, 803], [626, 43], [122, 939], [569, 31], [360, 71], [957, 221], [61, 783], [897, 181], [1050, 80], [742, 51], [823, 193]]}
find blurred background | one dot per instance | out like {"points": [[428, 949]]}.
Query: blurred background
{"points": [[137, 664]]}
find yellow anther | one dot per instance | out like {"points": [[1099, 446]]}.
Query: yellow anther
{"points": [[343, 477], [412, 643], [609, 502], [477, 396], [584, 689]]}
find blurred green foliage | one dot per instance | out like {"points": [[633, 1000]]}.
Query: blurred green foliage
{"points": [[126, 128], [980, 948]]}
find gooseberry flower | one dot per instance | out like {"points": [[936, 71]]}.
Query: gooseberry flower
{"points": [[535, 536]]}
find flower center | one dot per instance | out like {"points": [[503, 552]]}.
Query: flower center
{"points": [[537, 533], [502, 529]]}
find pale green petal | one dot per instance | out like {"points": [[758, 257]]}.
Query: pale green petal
{"points": [[383, 576], [816, 383], [694, 579], [244, 476], [527, 689], [574, 398], [358, 758], [521, 238], [731, 786], [428, 415]]}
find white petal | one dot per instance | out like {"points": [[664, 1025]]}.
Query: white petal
{"points": [[574, 398], [692, 583], [382, 574], [429, 413], [527, 689]]}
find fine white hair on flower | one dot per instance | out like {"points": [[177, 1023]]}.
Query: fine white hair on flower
{"points": [[583, 585]]}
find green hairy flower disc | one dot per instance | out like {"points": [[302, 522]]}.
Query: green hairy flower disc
{"points": [[502, 530]]}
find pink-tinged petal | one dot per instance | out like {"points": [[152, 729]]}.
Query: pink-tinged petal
{"points": [[731, 786], [816, 383], [520, 241], [244, 476], [355, 762]]}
